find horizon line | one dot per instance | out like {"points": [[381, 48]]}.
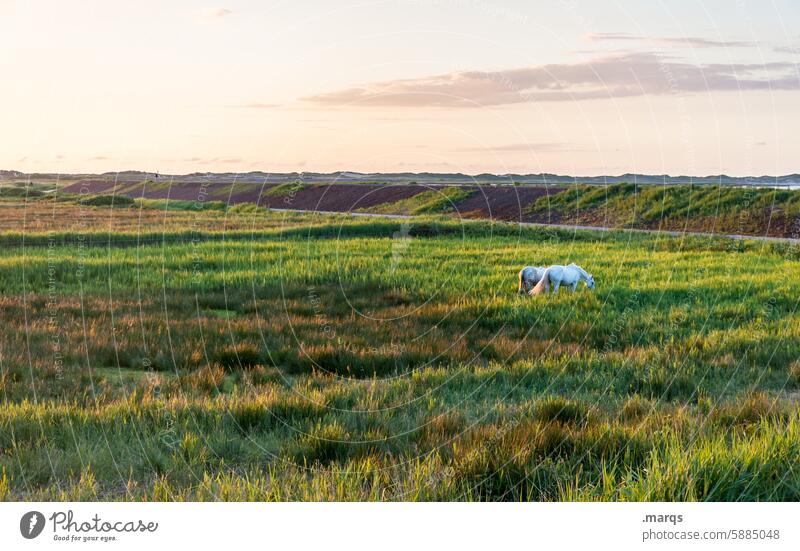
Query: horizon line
{"points": [[379, 173]]}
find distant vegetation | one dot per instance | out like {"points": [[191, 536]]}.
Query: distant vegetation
{"points": [[434, 201], [178, 204], [265, 356], [20, 192], [120, 201], [283, 190], [704, 207]]}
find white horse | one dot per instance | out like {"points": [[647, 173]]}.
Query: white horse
{"points": [[562, 275], [529, 276]]}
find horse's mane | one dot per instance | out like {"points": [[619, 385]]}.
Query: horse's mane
{"points": [[581, 270]]}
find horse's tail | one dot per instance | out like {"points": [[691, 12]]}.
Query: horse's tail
{"points": [[543, 285], [519, 289]]}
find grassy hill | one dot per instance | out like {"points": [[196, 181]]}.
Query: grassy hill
{"points": [[718, 209]]}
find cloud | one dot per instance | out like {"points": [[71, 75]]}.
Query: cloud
{"points": [[256, 105], [214, 13], [791, 49], [687, 41], [422, 165], [615, 76], [523, 147], [213, 160]]}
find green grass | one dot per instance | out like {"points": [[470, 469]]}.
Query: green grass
{"points": [[180, 204], [20, 192], [284, 190], [434, 201], [700, 207], [322, 358], [117, 201]]}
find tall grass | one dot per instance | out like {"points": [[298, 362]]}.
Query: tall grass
{"points": [[312, 357]]}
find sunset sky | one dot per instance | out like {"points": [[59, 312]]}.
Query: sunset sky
{"points": [[570, 87]]}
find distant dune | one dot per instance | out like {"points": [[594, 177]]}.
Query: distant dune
{"points": [[406, 177]]}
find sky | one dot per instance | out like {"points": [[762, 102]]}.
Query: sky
{"points": [[560, 86]]}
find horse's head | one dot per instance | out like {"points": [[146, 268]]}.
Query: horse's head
{"points": [[590, 282]]}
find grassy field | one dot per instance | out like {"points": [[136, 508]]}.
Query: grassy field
{"points": [[162, 354]]}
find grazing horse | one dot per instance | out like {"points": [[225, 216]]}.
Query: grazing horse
{"points": [[562, 275], [529, 276]]}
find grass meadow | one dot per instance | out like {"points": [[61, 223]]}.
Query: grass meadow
{"points": [[160, 354]]}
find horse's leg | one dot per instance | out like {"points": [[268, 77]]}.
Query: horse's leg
{"points": [[556, 285], [574, 286]]}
